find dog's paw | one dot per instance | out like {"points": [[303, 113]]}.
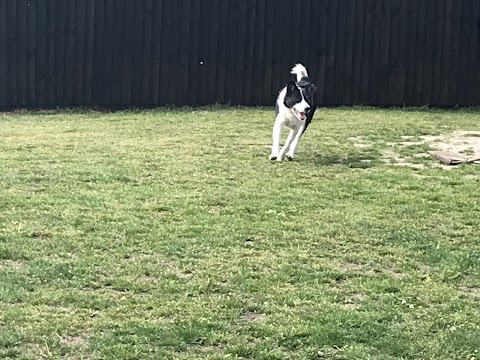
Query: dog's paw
{"points": [[273, 157], [289, 157]]}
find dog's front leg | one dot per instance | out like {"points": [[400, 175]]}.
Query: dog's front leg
{"points": [[294, 143], [276, 137]]}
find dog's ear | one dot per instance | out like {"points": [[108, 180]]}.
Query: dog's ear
{"points": [[291, 86]]}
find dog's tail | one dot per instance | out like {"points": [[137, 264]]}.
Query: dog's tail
{"points": [[300, 71]]}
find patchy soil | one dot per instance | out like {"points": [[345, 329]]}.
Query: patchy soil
{"points": [[353, 301], [13, 264], [395, 274], [474, 292], [74, 341], [460, 142], [397, 160], [251, 316], [457, 141]]}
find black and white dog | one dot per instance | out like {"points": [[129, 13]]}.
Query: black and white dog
{"points": [[295, 108]]}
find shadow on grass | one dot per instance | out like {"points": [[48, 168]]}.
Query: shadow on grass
{"points": [[354, 161]]}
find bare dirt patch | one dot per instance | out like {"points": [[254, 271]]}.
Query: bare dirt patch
{"points": [[474, 292], [394, 274], [252, 316], [360, 142], [398, 160], [209, 349], [12, 264], [352, 267], [460, 142], [74, 341], [457, 141], [353, 301]]}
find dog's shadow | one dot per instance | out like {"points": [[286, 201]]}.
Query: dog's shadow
{"points": [[355, 161]]}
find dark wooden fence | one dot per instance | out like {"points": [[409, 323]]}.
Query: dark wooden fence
{"points": [[195, 52]]}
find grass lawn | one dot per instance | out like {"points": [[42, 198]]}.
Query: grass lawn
{"points": [[170, 235]]}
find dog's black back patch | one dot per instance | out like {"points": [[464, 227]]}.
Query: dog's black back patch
{"points": [[309, 91]]}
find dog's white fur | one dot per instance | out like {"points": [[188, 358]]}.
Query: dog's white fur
{"points": [[288, 118]]}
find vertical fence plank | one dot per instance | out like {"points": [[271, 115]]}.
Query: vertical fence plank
{"points": [[31, 10], [293, 10], [239, 64], [109, 52], [78, 52], [358, 41], [40, 53], [313, 40], [472, 54], [428, 55], [477, 68], [164, 53], [50, 70], [267, 76], [98, 55], [404, 48], [175, 49], [282, 55], [455, 51], [384, 68], [146, 53], [306, 50], [3, 53], [331, 53], [220, 71], [437, 52], [89, 51], [345, 95], [212, 53], [249, 52], [12, 59], [183, 56], [420, 52], [366, 53], [411, 55], [201, 60], [117, 50], [21, 52], [137, 65], [447, 47], [231, 48], [393, 75], [258, 53], [155, 61], [127, 56], [60, 51], [465, 31], [340, 55], [374, 68], [69, 77], [323, 9]]}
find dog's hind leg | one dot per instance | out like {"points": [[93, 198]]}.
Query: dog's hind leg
{"points": [[286, 147], [294, 144], [276, 137]]}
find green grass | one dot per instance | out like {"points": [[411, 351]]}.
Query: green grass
{"points": [[169, 235]]}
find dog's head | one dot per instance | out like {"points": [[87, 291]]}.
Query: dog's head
{"points": [[299, 98]]}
